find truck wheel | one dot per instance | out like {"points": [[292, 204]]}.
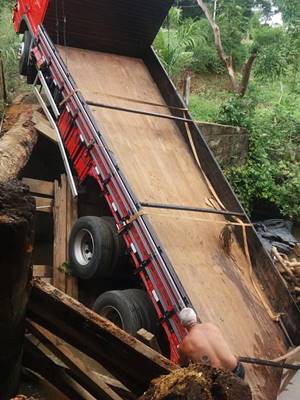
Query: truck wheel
{"points": [[129, 309], [91, 247], [25, 53], [118, 261]]}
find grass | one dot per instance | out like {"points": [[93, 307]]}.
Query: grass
{"points": [[209, 94], [9, 43]]}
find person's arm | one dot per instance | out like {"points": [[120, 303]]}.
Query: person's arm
{"points": [[183, 359]]}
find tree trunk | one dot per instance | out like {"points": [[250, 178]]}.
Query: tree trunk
{"points": [[16, 231], [239, 88], [18, 140], [246, 74]]}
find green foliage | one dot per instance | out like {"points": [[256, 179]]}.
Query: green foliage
{"points": [[205, 56], [9, 43], [236, 111], [272, 172], [174, 44], [204, 108]]}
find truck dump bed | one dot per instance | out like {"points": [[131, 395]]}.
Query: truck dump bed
{"points": [[100, 52], [160, 168]]}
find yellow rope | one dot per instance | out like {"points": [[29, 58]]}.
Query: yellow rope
{"points": [[259, 295], [274, 317]]}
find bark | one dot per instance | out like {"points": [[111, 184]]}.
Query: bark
{"points": [[18, 140], [239, 88], [16, 231], [246, 74]]}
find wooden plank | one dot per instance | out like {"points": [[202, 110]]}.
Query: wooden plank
{"points": [[149, 339], [45, 188], [38, 360], [43, 126], [42, 271], [119, 353], [60, 232], [96, 386], [44, 204], [71, 215], [116, 386]]}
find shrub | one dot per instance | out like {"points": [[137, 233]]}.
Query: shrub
{"points": [[272, 172]]}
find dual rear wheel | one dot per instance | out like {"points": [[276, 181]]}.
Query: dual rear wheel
{"points": [[96, 250]]}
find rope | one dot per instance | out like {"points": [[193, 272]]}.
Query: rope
{"points": [[192, 144], [258, 295], [68, 97], [57, 22], [161, 214]]}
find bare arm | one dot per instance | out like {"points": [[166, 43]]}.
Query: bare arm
{"points": [[183, 359]]}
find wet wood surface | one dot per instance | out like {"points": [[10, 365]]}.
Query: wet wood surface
{"points": [[16, 231], [160, 168]]}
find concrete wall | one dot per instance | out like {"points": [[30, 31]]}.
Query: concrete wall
{"points": [[229, 144]]}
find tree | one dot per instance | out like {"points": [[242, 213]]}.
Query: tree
{"points": [[239, 87]]}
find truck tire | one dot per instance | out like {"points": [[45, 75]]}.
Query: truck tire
{"points": [[118, 261], [25, 53], [129, 309], [91, 248], [26, 68]]}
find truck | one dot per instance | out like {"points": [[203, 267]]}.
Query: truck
{"points": [[164, 202]]}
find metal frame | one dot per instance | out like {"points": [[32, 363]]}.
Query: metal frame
{"points": [[83, 140], [60, 142]]}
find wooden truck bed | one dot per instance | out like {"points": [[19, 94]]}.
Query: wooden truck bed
{"points": [[160, 168]]}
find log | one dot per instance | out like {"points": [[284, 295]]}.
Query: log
{"points": [[18, 140], [119, 353], [16, 231]]}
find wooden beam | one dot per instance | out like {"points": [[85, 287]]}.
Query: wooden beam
{"points": [[43, 204], [42, 271], [36, 359], [36, 186], [65, 214], [130, 361], [60, 233], [117, 386], [16, 233], [149, 339], [71, 215], [96, 386], [43, 126]]}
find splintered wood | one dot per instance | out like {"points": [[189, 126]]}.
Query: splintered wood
{"points": [[290, 272], [54, 314], [65, 214]]}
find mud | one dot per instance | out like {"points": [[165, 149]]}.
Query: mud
{"points": [[198, 382]]}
